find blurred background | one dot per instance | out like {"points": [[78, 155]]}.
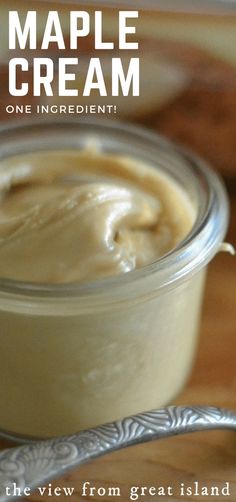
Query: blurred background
{"points": [[188, 68]]}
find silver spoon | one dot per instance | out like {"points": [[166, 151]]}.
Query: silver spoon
{"points": [[34, 464]]}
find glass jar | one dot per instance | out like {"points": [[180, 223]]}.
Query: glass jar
{"points": [[77, 355]]}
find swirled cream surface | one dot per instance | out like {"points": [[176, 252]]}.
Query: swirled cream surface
{"points": [[68, 216]]}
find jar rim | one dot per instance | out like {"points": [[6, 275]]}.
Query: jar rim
{"points": [[192, 254]]}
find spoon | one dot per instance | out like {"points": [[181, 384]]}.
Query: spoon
{"points": [[32, 465]]}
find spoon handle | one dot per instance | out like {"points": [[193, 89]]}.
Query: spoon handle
{"points": [[34, 464]]}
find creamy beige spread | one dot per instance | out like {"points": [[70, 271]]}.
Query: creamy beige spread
{"points": [[68, 216], [77, 216]]}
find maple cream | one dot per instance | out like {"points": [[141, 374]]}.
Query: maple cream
{"points": [[69, 216]]}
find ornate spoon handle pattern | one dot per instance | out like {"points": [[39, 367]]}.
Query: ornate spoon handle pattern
{"points": [[34, 464]]}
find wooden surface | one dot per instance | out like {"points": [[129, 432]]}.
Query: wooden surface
{"points": [[209, 457]]}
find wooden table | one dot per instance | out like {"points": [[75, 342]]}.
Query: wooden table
{"points": [[208, 458]]}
